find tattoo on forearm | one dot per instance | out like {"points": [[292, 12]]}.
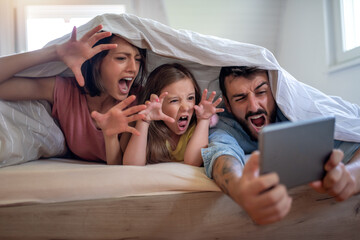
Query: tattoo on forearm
{"points": [[224, 170]]}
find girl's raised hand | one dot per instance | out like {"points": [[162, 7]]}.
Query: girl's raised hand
{"points": [[75, 52], [207, 107], [154, 111], [117, 120]]}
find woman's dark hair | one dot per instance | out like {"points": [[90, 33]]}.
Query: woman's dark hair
{"points": [[236, 71], [158, 79], [91, 70]]}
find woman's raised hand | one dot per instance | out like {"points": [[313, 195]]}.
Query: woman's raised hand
{"points": [[75, 52], [207, 107], [117, 119], [153, 109]]}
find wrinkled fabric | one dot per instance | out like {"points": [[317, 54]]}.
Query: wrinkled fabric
{"points": [[205, 55]]}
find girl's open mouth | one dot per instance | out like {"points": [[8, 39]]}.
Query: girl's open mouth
{"points": [[183, 123]]}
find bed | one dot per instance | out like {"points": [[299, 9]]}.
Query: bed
{"points": [[44, 196], [71, 199]]}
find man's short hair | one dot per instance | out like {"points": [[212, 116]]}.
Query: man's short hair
{"points": [[236, 71]]}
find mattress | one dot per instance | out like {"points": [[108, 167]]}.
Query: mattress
{"points": [[62, 180]]}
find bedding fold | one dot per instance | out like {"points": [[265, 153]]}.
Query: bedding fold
{"points": [[204, 55]]}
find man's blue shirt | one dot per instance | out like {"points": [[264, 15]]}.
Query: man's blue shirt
{"points": [[229, 138]]}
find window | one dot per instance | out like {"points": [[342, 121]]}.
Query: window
{"points": [[343, 35], [350, 24], [46, 23]]}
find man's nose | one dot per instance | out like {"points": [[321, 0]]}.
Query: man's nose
{"points": [[253, 103]]}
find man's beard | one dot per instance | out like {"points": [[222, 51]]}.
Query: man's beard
{"points": [[245, 125]]}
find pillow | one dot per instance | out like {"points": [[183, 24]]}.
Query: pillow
{"points": [[28, 132]]}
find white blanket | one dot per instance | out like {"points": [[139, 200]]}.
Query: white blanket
{"points": [[204, 55]]}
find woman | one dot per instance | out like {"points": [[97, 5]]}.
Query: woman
{"points": [[106, 71]]}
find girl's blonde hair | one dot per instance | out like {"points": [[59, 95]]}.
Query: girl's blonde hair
{"points": [[158, 79]]}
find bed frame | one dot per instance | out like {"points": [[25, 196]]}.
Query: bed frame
{"points": [[199, 215]]}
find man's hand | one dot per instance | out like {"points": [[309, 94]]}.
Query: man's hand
{"points": [[263, 198], [338, 181]]}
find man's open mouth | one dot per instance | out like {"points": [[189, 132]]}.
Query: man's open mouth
{"points": [[257, 121]]}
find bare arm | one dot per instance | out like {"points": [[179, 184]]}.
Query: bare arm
{"points": [[10, 65], [135, 153], [263, 198], [116, 121], [17, 88], [200, 137], [73, 53], [112, 149]]}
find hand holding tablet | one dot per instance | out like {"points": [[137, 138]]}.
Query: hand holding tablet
{"points": [[297, 151]]}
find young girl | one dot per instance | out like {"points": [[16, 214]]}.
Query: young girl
{"points": [[110, 66], [170, 130]]}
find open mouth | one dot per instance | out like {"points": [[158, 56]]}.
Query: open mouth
{"points": [[183, 123], [257, 122], [124, 85]]}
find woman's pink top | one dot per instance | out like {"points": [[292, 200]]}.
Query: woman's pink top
{"points": [[71, 111]]}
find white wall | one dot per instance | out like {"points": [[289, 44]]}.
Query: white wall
{"points": [[250, 21], [302, 51]]}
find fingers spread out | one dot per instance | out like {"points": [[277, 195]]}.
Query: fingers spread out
{"points": [[212, 96], [73, 34], [126, 102], [134, 109], [78, 76], [132, 130], [162, 96], [96, 115], [154, 98], [90, 33], [204, 95]]}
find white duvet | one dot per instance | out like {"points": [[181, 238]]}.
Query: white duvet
{"points": [[205, 55]]}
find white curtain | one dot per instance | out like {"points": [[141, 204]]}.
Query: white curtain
{"points": [[7, 27]]}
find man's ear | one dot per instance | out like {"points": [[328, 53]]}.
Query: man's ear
{"points": [[227, 105]]}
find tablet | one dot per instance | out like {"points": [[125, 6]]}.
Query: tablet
{"points": [[297, 151]]}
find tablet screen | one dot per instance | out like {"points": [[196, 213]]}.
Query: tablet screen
{"points": [[297, 151]]}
